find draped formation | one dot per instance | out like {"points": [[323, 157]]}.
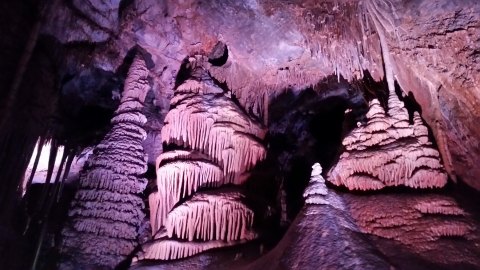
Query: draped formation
{"points": [[215, 143], [389, 151]]}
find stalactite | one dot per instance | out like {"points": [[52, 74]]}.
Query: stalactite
{"points": [[444, 207], [53, 191], [388, 151], [71, 156], [167, 249], [40, 144], [24, 60], [179, 179], [51, 166], [229, 133], [452, 229], [221, 143], [106, 214], [211, 216], [380, 27]]}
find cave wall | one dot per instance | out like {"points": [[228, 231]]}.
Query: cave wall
{"points": [[435, 52]]}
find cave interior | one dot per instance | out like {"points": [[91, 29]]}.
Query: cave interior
{"points": [[302, 134]]}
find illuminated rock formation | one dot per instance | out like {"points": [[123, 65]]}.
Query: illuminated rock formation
{"points": [[388, 151], [316, 190], [221, 143], [106, 214], [430, 225], [218, 219]]}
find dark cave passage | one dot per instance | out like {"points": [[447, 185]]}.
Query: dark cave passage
{"points": [[309, 127]]}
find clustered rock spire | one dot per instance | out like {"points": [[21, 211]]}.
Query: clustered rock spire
{"points": [[316, 191], [220, 144], [107, 213], [388, 151]]}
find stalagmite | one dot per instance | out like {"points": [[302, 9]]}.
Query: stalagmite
{"points": [[106, 214], [316, 190], [388, 151], [219, 144]]}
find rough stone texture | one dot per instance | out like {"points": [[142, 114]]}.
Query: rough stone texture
{"points": [[323, 236], [68, 25], [106, 215], [388, 151], [434, 227]]}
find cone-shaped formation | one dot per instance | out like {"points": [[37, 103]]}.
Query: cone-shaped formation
{"points": [[316, 190], [388, 151], [106, 213], [221, 144]]}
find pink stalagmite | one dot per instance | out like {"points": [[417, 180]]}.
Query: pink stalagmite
{"points": [[388, 151], [219, 144], [107, 212]]}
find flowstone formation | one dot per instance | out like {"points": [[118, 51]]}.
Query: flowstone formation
{"points": [[435, 227], [106, 215], [388, 151], [213, 143]]}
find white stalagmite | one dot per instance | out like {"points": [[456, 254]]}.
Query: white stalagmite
{"points": [[388, 151], [221, 143], [107, 212], [316, 190]]}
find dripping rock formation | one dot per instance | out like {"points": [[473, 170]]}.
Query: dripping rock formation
{"points": [[219, 144], [106, 215], [389, 151]]}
